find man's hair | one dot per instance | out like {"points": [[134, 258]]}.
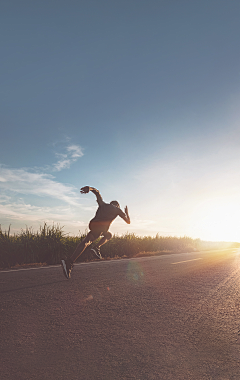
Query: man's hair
{"points": [[115, 203]]}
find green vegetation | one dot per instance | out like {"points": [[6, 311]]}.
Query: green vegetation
{"points": [[50, 244]]}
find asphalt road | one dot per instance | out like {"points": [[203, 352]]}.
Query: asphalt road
{"points": [[167, 317]]}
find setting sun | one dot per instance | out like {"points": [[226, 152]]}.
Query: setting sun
{"points": [[217, 220]]}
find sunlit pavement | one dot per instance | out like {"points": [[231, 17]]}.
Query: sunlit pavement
{"points": [[166, 317]]}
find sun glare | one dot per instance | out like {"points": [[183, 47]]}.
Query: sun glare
{"points": [[217, 220]]}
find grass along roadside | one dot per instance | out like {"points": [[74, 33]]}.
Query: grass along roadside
{"points": [[48, 245]]}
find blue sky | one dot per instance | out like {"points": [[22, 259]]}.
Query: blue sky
{"points": [[139, 99]]}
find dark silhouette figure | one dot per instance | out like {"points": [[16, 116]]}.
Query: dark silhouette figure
{"points": [[98, 226]]}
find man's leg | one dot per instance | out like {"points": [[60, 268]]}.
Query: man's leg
{"points": [[82, 246], [106, 236], [67, 264]]}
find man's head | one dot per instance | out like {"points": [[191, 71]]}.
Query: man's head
{"points": [[115, 203]]}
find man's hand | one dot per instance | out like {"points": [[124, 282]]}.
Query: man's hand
{"points": [[85, 190], [127, 219]]}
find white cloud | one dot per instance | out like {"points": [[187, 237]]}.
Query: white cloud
{"points": [[21, 190], [62, 164], [75, 150], [4, 198], [25, 182], [19, 214], [67, 159], [21, 210]]}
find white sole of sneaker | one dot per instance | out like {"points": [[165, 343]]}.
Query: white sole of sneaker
{"points": [[64, 268], [96, 253]]}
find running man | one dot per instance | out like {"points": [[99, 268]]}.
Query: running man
{"points": [[98, 226]]}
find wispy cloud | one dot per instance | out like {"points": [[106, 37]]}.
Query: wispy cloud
{"points": [[75, 151], [23, 181], [22, 188], [66, 159], [21, 211], [19, 214]]}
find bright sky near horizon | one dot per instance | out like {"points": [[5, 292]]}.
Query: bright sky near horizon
{"points": [[138, 98]]}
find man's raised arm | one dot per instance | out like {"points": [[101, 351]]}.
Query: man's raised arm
{"points": [[86, 189], [125, 216]]}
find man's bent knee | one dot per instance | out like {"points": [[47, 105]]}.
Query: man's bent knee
{"points": [[107, 235], [87, 240]]}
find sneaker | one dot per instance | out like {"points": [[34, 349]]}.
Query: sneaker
{"points": [[97, 252], [67, 266]]}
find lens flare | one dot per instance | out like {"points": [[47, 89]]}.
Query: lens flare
{"points": [[135, 272]]}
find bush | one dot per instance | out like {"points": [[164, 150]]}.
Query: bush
{"points": [[50, 244]]}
